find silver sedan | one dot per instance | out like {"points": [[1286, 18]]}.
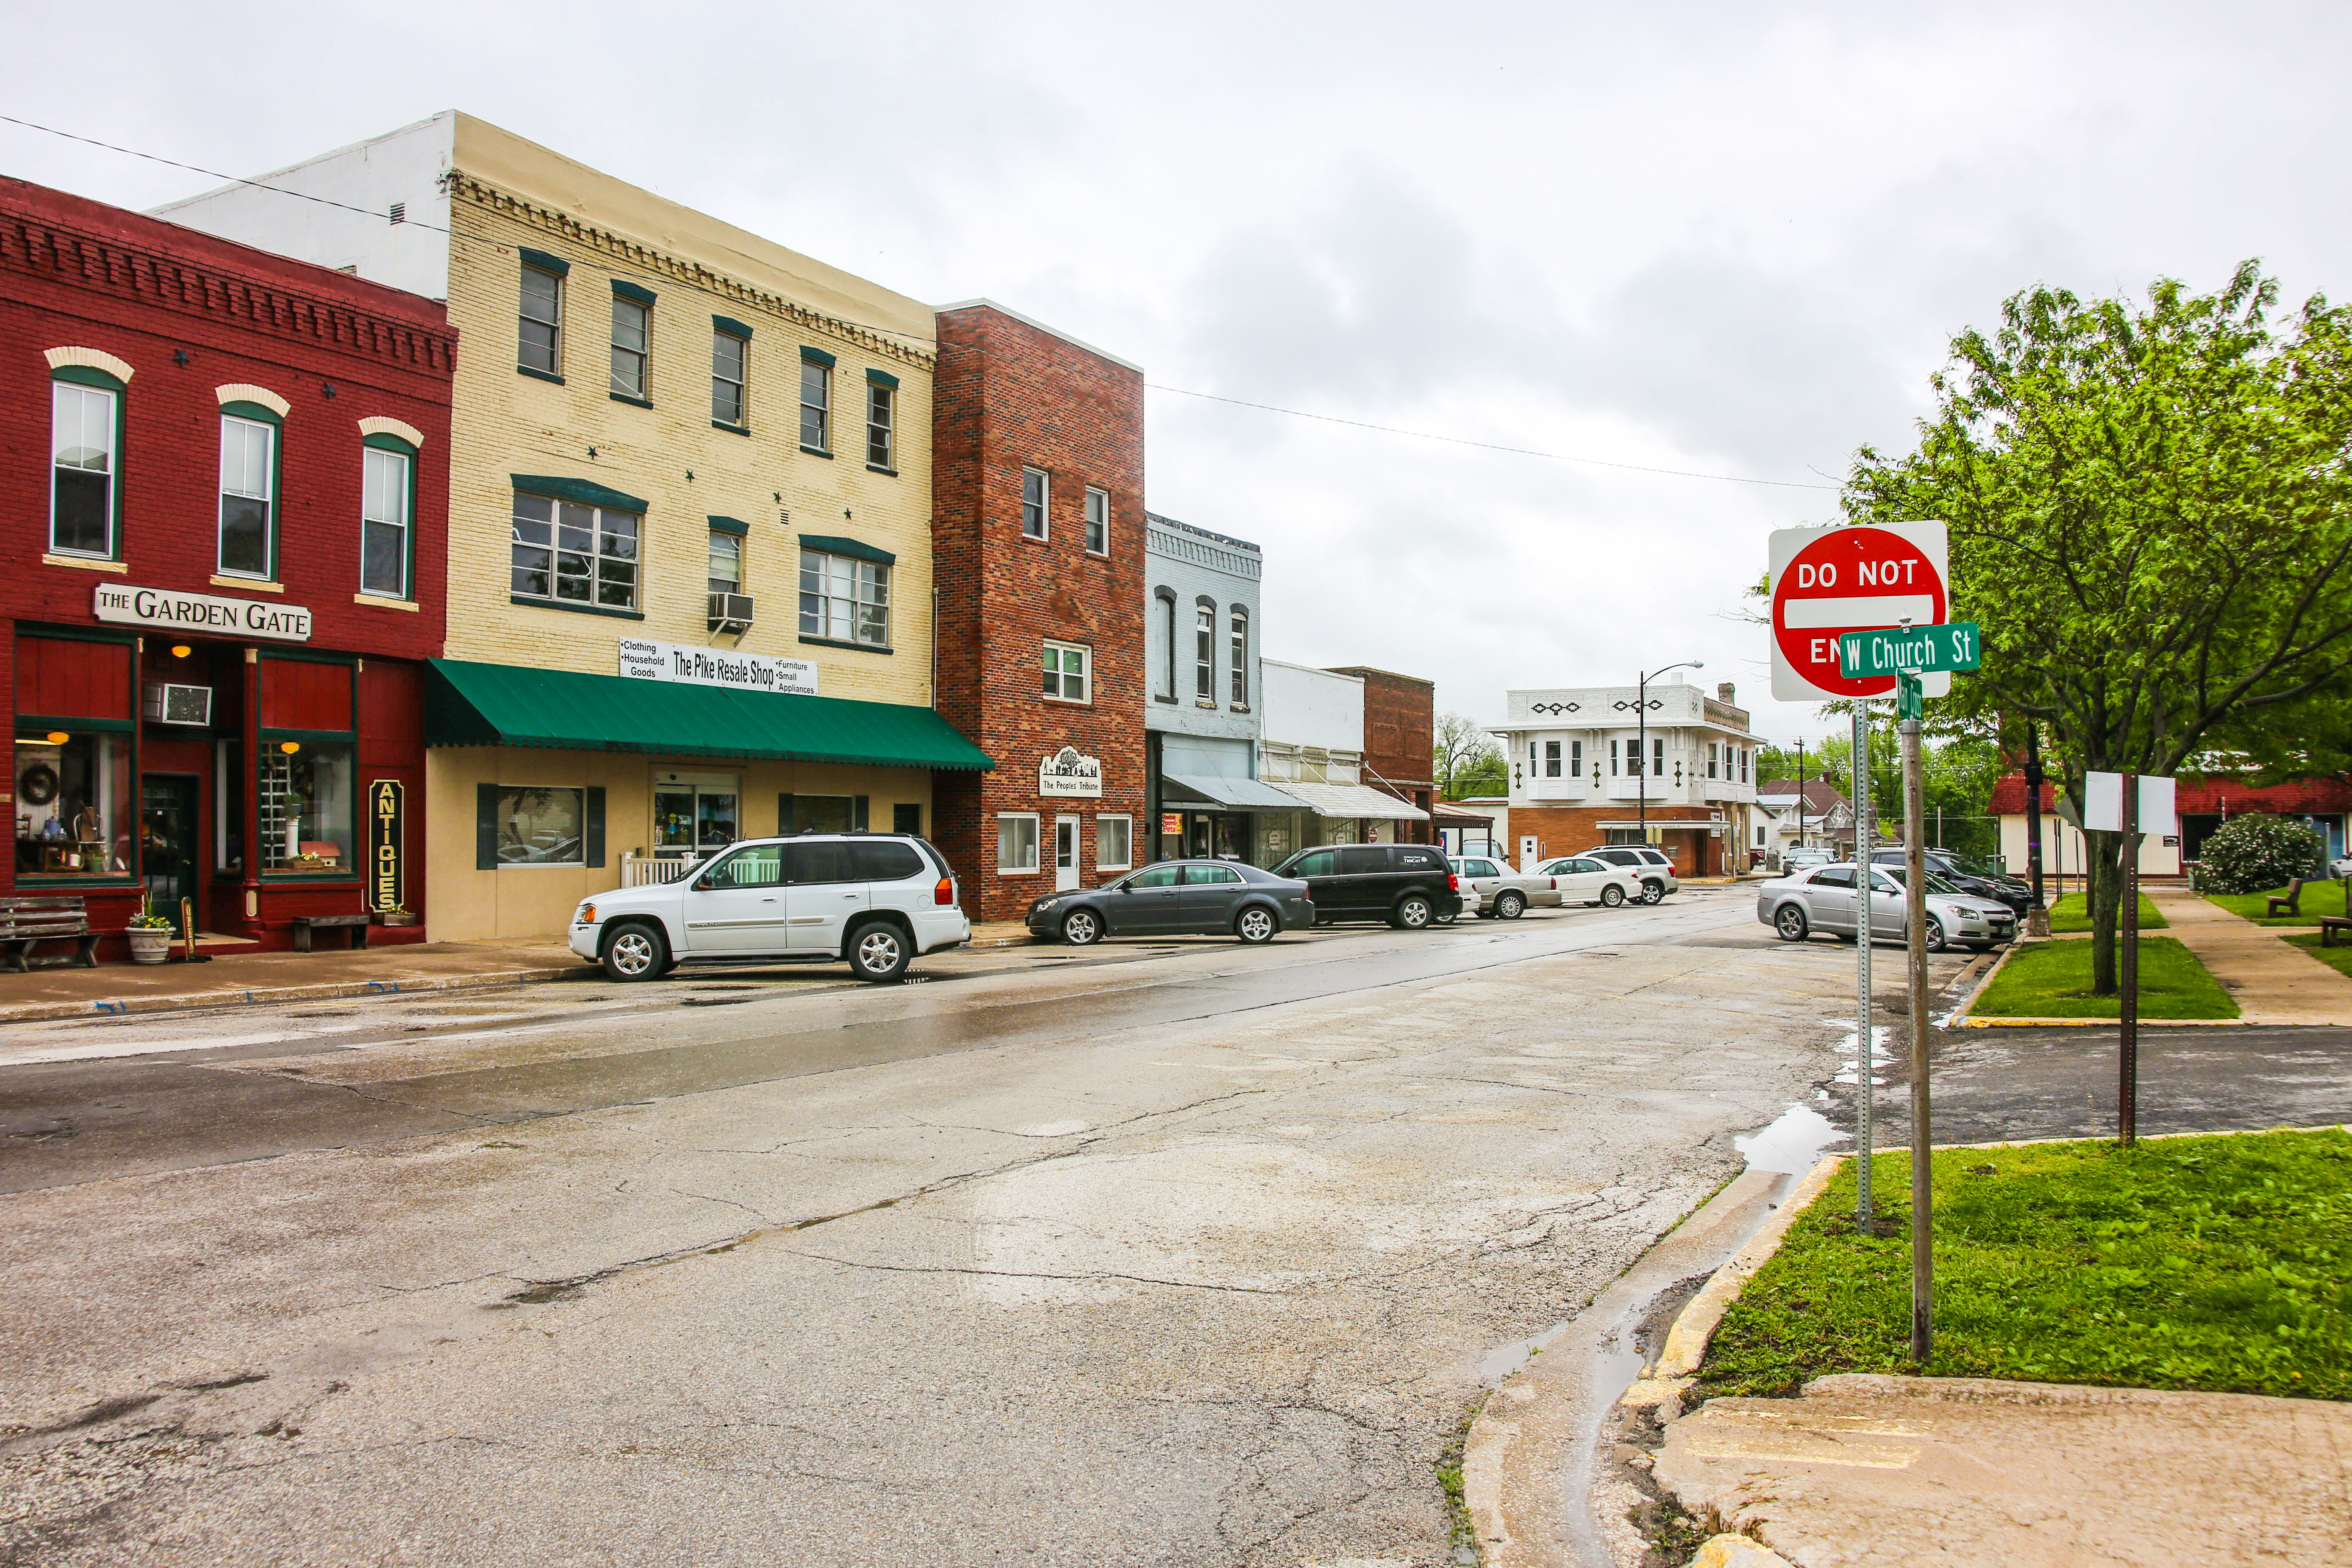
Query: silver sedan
{"points": [[1492, 891]]}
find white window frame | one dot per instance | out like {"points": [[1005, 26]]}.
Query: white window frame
{"points": [[867, 600], [741, 382], [642, 353], [737, 541], [1039, 508], [268, 496], [1552, 759], [1097, 521], [1060, 674], [1005, 819], [113, 407], [881, 426], [596, 555], [1576, 759], [554, 325], [1127, 830], [405, 490], [821, 407], [1205, 651], [1237, 625]]}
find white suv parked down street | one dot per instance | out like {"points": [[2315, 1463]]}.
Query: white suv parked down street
{"points": [[1657, 872], [873, 901]]}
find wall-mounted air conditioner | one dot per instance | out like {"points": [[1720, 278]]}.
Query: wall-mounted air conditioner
{"points": [[168, 704], [730, 612]]}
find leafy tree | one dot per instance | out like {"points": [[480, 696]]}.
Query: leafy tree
{"points": [[2257, 852], [1465, 756], [2148, 515]]}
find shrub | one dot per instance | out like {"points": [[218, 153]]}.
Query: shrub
{"points": [[2257, 851]]}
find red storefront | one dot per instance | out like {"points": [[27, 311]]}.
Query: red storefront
{"points": [[224, 481]]}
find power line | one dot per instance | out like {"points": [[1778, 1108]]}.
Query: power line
{"points": [[912, 337]]}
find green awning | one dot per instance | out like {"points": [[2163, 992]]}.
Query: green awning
{"points": [[508, 705]]}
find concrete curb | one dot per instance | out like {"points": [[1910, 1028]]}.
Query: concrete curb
{"points": [[1695, 1325], [1960, 1018], [257, 995]]}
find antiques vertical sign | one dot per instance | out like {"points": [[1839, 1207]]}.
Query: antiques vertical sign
{"points": [[387, 856]]}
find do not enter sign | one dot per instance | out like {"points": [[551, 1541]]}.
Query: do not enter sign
{"points": [[1827, 582]]}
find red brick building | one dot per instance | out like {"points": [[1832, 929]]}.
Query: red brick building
{"points": [[223, 496], [1037, 539], [1400, 719]]}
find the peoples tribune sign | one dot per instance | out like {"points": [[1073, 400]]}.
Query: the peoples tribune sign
{"points": [[710, 667]]}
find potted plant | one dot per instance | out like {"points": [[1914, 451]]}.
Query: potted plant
{"points": [[398, 915], [151, 936]]}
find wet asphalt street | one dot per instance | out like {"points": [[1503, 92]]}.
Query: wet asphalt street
{"points": [[1184, 1254]]}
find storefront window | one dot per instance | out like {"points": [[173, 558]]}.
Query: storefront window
{"points": [[541, 826], [307, 803], [72, 803]]}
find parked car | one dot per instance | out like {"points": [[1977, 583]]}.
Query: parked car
{"points": [[1656, 873], [874, 901], [2002, 889], [1797, 860], [1407, 884], [1581, 879], [1491, 889], [1177, 897], [1823, 899]]}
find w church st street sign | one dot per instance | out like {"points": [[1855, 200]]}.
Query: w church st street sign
{"points": [[1828, 582]]}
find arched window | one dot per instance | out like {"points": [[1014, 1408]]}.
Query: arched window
{"points": [[1241, 657], [1204, 650], [1164, 632]]}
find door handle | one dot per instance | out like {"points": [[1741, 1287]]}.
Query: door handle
{"points": [[850, 896]]}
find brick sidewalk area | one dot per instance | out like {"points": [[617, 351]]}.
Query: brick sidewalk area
{"points": [[2274, 982]]}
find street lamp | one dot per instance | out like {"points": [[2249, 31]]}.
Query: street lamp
{"points": [[1641, 705]]}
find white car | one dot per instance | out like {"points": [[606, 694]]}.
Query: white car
{"points": [[1822, 899], [1655, 871], [872, 900], [1581, 880]]}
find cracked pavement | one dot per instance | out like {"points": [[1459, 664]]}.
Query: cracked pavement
{"points": [[1191, 1260]]}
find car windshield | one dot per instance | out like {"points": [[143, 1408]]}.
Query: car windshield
{"points": [[1935, 884]]}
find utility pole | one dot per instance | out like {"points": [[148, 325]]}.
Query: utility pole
{"points": [[2128, 1089], [1800, 792], [2037, 919], [1865, 1036], [1915, 897]]}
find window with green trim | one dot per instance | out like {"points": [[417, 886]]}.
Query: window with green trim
{"points": [[728, 376], [843, 599], [574, 553], [387, 492], [84, 429], [248, 495], [632, 331], [881, 416], [541, 343], [816, 402]]}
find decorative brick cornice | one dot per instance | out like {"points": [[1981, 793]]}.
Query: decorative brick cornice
{"points": [[639, 256], [108, 264]]}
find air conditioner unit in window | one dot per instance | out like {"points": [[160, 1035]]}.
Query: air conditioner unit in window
{"points": [[730, 612], [168, 704]]}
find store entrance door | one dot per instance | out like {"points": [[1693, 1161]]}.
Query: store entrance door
{"points": [[1066, 854], [168, 851]]}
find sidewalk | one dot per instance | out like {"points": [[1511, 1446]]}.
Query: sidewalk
{"points": [[2273, 982]]}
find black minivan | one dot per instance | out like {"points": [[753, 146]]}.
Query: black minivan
{"points": [[1407, 884]]}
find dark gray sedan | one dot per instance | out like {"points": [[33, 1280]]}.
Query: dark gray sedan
{"points": [[1177, 897]]}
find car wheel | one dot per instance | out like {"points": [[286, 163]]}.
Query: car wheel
{"points": [[1789, 921], [1935, 934], [879, 953], [1082, 928], [636, 951], [1652, 892], [1613, 896], [1510, 906], [1413, 912], [1256, 925]]}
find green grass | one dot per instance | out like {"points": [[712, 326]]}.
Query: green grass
{"points": [[2338, 957], [2221, 1263], [2072, 913], [2053, 980], [2318, 899]]}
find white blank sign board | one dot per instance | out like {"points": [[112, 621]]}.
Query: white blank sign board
{"points": [[2102, 803]]}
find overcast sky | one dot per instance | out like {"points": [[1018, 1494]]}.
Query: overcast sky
{"points": [[1731, 239]]}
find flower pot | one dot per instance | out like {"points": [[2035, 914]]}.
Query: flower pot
{"points": [[394, 917], [149, 944]]}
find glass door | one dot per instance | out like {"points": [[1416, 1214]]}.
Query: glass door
{"points": [[695, 816], [168, 851], [1066, 854]]}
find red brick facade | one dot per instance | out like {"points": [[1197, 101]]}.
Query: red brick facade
{"points": [[1011, 395], [1566, 830], [198, 322], [1400, 719]]}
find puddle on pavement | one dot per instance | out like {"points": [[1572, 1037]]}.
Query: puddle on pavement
{"points": [[1792, 1144], [1849, 1049]]}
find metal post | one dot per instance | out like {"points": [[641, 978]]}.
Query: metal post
{"points": [[1641, 753], [1801, 808], [2037, 919], [1866, 1056], [2128, 1089], [1914, 889]]}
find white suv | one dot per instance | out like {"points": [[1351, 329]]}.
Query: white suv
{"points": [[870, 901], [1657, 872]]}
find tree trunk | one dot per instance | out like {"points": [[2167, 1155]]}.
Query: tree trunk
{"points": [[2105, 895]]}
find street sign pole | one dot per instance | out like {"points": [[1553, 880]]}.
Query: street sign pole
{"points": [[1865, 1036], [2128, 1089], [1914, 898]]}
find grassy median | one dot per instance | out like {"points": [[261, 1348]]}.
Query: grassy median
{"points": [[2317, 899], [2072, 914], [2053, 980], [2338, 957], [2220, 1263]]}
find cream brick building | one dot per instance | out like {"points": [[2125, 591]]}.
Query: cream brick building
{"points": [[638, 378]]}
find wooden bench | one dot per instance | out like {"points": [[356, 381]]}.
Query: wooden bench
{"points": [[2289, 905], [2329, 925], [25, 921], [305, 925]]}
